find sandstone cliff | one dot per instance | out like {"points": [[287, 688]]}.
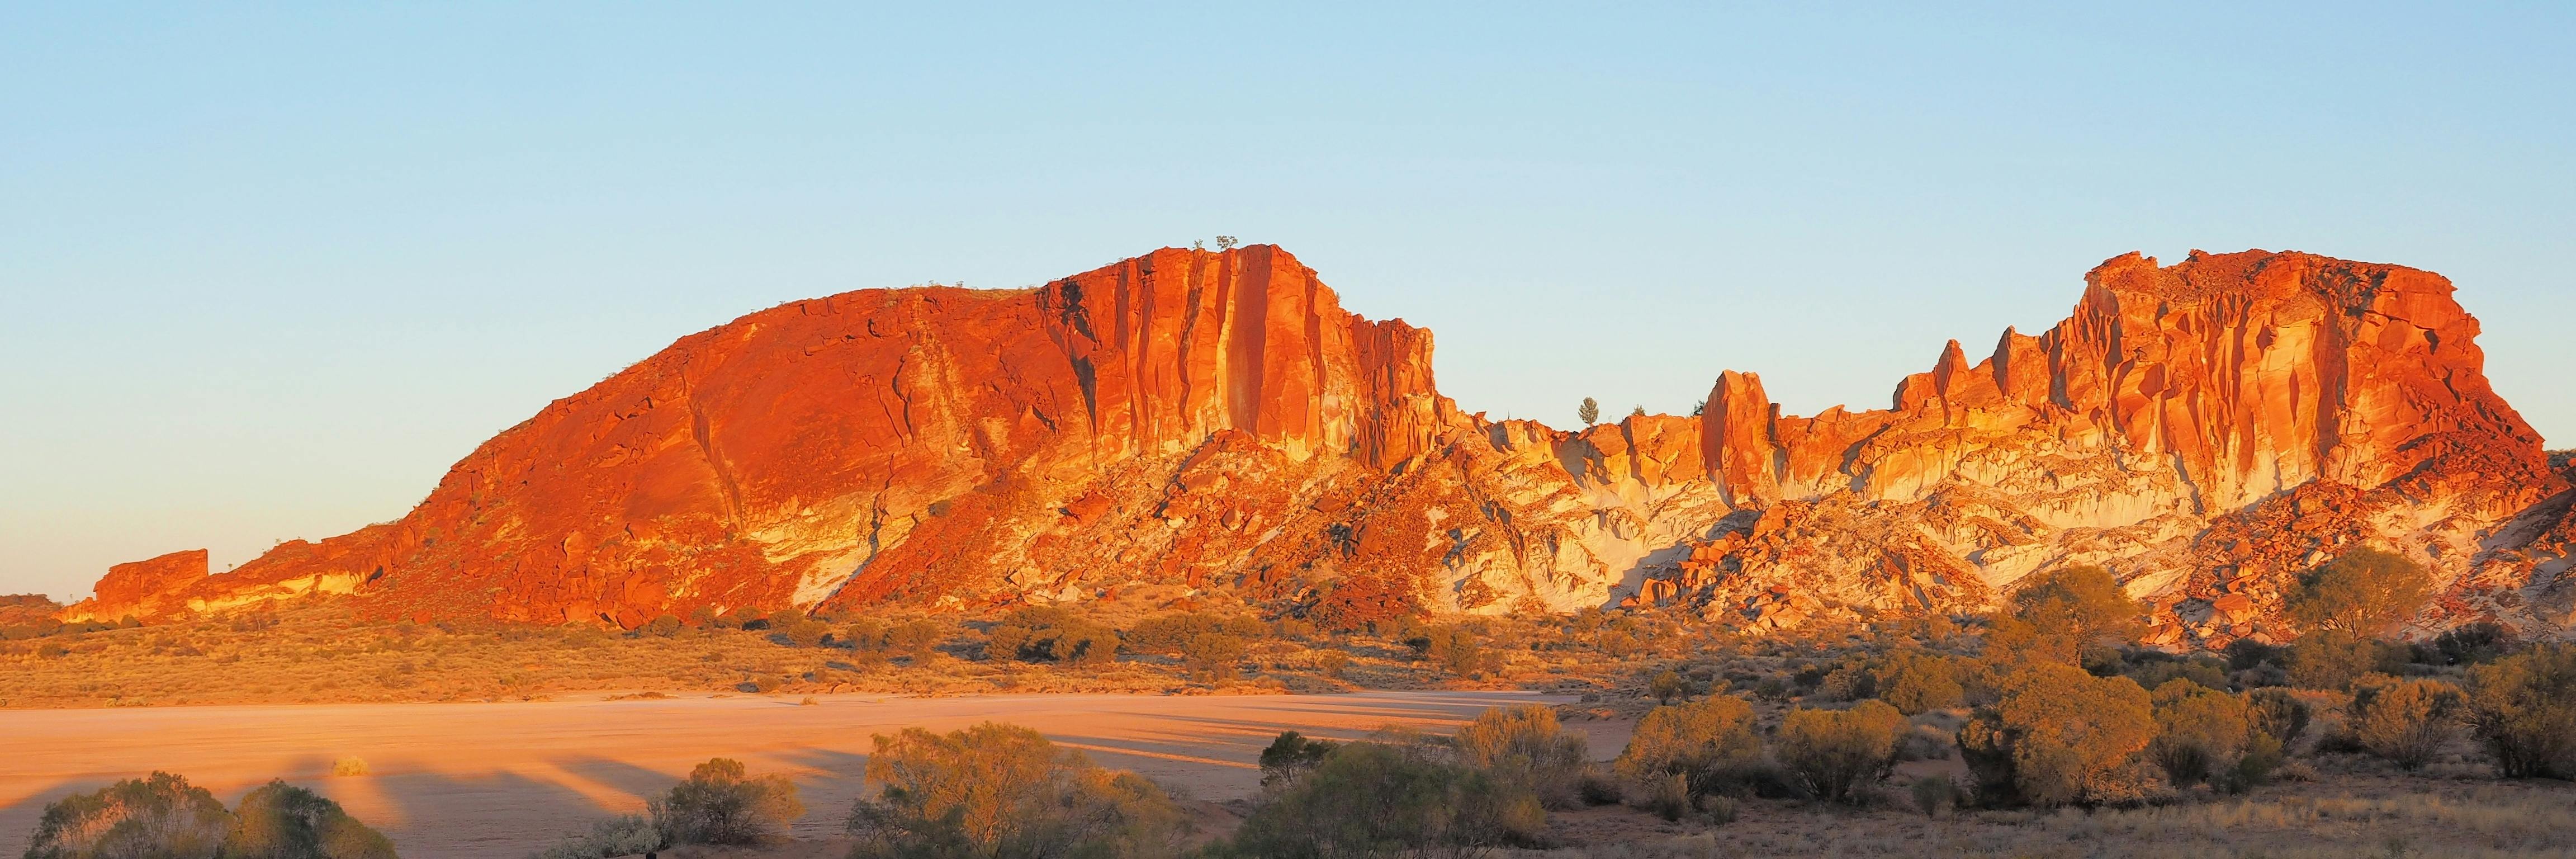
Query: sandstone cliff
{"points": [[1190, 420]]}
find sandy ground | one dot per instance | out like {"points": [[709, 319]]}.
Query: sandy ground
{"points": [[500, 780]]}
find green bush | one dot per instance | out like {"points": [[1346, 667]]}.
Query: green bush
{"points": [[1456, 649], [801, 631], [1291, 755], [1214, 655], [2472, 644], [720, 804], [282, 821], [1916, 682], [1171, 633], [1837, 754], [2523, 709], [1039, 633], [1525, 748], [2056, 735], [159, 817], [622, 835], [1378, 799], [1934, 794], [998, 790], [916, 639], [2200, 731], [2277, 713], [1709, 742], [863, 634], [2363, 592], [2405, 721], [2331, 659], [1665, 686], [2062, 613], [2152, 673]]}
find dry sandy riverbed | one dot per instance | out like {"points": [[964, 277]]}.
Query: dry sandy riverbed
{"points": [[499, 780]]}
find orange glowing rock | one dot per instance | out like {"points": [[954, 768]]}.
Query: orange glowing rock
{"points": [[1190, 421]]}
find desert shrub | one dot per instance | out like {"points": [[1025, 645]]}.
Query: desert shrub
{"points": [[2245, 653], [1456, 649], [1039, 633], [2405, 721], [1709, 742], [2277, 713], [801, 631], [2330, 659], [1934, 794], [1914, 682], [918, 639], [622, 835], [1837, 754], [1668, 796], [1172, 633], [2523, 709], [1214, 655], [2056, 735], [1291, 755], [1524, 747], [159, 817], [282, 821], [1665, 686], [663, 626], [998, 790], [864, 634], [2154, 671], [1294, 628], [2362, 592], [2200, 731], [1380, 799], [1850, 681], [720, 804], [2262, 758], [1598, 786], [1330, 663], [2472, 644]]}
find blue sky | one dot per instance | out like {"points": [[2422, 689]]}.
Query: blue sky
{"points": [[266, 273]]}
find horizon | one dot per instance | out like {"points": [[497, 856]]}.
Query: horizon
{"points": [[272, 273]]}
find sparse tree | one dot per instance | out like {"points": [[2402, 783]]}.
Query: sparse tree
{"points": [[1637, 412], [1589, 412], [1225, 243], [2365, 591]]}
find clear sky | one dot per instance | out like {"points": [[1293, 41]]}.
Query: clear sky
{"points": [[266, 273]]}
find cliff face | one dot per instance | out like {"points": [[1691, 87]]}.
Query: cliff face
{"points": [[1188, 420]]}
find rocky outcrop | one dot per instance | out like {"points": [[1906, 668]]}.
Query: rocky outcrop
{"points": [[2207, 429], [1188, 421]]}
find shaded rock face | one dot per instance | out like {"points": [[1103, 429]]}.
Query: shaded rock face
{"points": [[1189, 421]]}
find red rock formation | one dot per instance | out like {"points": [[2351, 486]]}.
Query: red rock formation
{"points": [[2189, 425], [1187, 421], [140, 588]]}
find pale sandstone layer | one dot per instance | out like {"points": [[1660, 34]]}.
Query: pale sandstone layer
{"points": [[1188, 421]]}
